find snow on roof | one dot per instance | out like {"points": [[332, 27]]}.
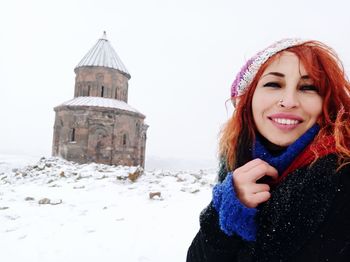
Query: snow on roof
{"points": [[99, 102], [103, 54]]}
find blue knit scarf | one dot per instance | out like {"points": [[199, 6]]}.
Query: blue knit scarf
{"points": [[234, 217], [282, 161]]}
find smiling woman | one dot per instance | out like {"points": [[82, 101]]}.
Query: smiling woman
{"points": [[285, 102], [284, 178]]}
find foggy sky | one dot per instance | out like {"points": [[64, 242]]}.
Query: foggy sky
{"points": [[182, 56]]}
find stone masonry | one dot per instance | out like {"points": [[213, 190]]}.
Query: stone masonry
{"points": [[98, 125]]}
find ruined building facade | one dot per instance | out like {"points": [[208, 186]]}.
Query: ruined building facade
{"points": [[98, 125]]}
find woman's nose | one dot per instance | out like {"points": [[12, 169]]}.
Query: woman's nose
{"points": [[289, 100]]}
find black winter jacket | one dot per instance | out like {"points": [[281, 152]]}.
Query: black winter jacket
{"points": [[307, 218]]}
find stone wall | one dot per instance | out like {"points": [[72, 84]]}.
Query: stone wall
{"points": [[101, 82], [92, 134]]}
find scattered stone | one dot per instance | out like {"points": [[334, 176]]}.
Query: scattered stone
{"points": [[194, 190], [78, 187], [179, 179], [101, 177], [121, 177], [55, 202], [136, 174], [4, 208], [54, 185], [50, 181], [198, 176], [41, 166], [29, 199], [44, 201], [152, 195]]}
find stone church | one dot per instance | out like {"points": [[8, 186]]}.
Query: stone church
{"points": [[98, 124]]}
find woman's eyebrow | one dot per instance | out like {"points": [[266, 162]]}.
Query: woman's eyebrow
{"points": [[305, 77], [278, 74]]}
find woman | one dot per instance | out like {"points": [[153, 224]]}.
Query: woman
{"points": [[284, 181]]}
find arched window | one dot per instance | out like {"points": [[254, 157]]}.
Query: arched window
{"points": [[102, 91], [72, 136]]}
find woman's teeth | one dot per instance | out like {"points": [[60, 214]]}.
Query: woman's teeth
{"points": [[284, 121]]}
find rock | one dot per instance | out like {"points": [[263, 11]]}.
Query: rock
{"points": [[121, 177], [78, 187], [136, 174], [44, 201], [41, 167], [3, 208], [152, 195], [101, 177], [55, 202], [29, 199], [179, 179], [54, 185], [62, 174]]}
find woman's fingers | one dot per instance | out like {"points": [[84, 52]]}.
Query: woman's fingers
{"points": [[250, 193], [253, 171], [250, 165], [261, 170], [257, 188], [259, 198]]}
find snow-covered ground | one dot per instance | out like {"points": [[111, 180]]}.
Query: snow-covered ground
{"points": [[55, 210]]}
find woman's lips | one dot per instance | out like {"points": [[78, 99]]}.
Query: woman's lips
{"points": [[285, 121]]}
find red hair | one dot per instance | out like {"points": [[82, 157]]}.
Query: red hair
{"points": [[327, 72]]}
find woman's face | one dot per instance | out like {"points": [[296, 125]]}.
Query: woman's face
{"points": [[285, 103]]}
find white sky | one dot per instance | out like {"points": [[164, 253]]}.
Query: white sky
{"points": [[182, 56]]}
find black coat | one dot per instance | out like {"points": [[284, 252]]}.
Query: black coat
{"points": [[307, 218]]}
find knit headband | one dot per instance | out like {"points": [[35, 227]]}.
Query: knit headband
{"points": [[249, 70]]}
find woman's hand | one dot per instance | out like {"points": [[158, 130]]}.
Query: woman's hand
{"points": [[250, 193]]}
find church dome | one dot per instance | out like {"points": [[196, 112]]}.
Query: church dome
{"points": [[103, 54]]}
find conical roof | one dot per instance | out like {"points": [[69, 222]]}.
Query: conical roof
{"points": [[103, 54]]}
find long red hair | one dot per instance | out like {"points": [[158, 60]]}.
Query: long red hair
{"points": [[327, 71]]}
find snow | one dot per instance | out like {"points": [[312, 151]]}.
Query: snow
{"points": [[96, 212], [99, 102]]}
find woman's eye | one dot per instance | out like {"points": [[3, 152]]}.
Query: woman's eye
{"points": [[309, 88], [272, 84]]}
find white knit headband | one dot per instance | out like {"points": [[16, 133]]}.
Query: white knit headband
{"points": [[248, 71]]}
